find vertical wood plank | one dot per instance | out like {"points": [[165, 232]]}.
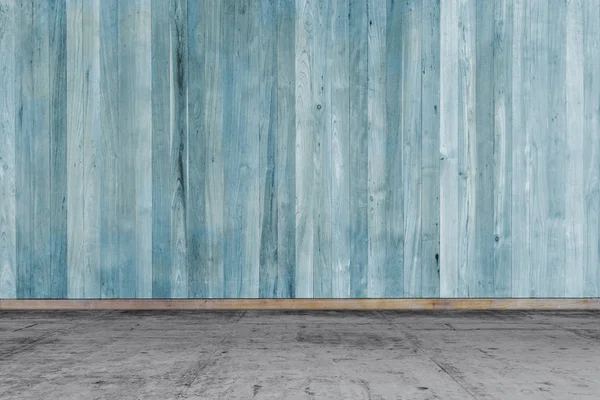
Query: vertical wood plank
{"points": [[58, 148], [241, 155], [449, 238], [83, 154], [591, 150], [358, 151], [566, 142], [8, 85], [196, 219], [502, 260], [322, 65], [430, 148], [33, 211], [214, 124], [400, 57], [305, 148], [169, 149], [410, 127], [340, 150], [135, 141], [467, 150], [377, 133], [481, 267], [113, 238], [268, 267], [286, 149]]}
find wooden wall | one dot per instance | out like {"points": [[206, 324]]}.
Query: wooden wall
{"points": [[307, 148]]}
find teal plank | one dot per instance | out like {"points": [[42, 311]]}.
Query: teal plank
{"points": [[285, 137], [305, 148], [321, 74], [430, 148], [563, 256], [567, 142], [268, 126], [169, 149], [449, 234], [196, 218], [503, 134], [58, 148], [377, 134], [358, 152], [84, 158], [240, 151], [135, 140], [591, 150], [406, 129], [214, 125], [112, 238], [9, 30], [481, 268], [341, 238]]}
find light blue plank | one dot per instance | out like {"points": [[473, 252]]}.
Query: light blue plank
{"points": [[503, 133], [430, 148], [113, 239], [240, 151], [377, 138], [321, 65], [481, 282], [169, 149], [408, 131], [9, 30], [591, 150], [305, 145], [84, 158], [341, 238], [449, 148], [196, 219], [285, 137], [268, 127], [554, 278], [358, 153]]}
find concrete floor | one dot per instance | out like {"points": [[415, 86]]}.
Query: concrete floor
{"points": [[299, 355]]}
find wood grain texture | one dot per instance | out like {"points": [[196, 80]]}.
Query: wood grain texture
{"points": [[483, 304], [299, 149], [8, 86]]}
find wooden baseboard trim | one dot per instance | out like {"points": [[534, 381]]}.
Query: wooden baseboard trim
{"points": [[302, 304]]}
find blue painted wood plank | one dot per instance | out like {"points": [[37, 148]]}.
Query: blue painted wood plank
{"points": [[503, 133], [214, 125], [407, 128], [554, 279], [341, 238], [481, 268], [377, 134], [9, 30], [305, 147], [358, 152], [430, 148], [449, 238], [112, 258], [591, 151], [169, 149], [321, 67], [196, 218], [285, 137], [268, 184], [84, 158]]}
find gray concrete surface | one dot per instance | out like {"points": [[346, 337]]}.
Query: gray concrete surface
{"points": [[299, 355]]}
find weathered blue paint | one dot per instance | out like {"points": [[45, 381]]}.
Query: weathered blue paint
{"points": [[299, 148]]}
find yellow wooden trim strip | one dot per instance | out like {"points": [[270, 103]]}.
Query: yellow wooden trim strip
{"points": [[302, 304]]}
